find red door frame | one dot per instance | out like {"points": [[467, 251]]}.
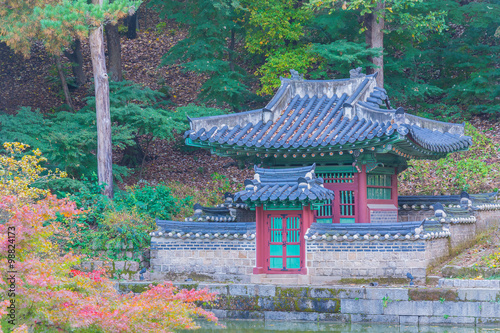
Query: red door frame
{"points": [[263, 236]]}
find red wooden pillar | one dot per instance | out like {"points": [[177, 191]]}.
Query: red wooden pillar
{"points": [[394, 190], [260, 241], [363, 197]]}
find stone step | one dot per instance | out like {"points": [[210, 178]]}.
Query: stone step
{"points": [[280, 279]]}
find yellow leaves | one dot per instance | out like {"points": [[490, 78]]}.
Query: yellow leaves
{"points": [[19, 173]]}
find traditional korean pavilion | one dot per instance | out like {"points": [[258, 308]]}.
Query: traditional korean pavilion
{"points": [[328, 155], [347, 128]]}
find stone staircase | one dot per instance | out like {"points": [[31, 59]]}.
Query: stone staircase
{"points": [[280, 279]]}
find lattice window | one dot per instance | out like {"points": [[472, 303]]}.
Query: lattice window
{"points": [[347, 206], [336, 177], [379, 186]]}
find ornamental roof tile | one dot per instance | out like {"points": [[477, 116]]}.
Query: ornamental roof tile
{"points": [[193, 230], [418, 230], [293, 184], [310, 113]]}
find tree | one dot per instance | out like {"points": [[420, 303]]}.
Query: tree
{"points": [[209, 47], [101, 84], [76, 58], [57, 23], [50, 293], [114, 51], [380, 17], [452, 75]]}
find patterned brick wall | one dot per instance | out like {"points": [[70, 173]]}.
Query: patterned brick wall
{"points": [[414, 215], [383, 216], [328, 262], [217, 260]]}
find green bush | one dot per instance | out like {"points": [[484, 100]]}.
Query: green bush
{"points": [[114, 224], [470, 170]]}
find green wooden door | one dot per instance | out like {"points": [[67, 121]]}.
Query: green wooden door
{"points": [[284, 242]]}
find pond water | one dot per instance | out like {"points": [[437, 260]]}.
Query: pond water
{"points": [[254, 326]]}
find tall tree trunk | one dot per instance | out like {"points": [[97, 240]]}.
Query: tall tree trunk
{"points": [[104, 149], [114, 51], [64, 84], [76, 57], [374, 24], [132, 26]]}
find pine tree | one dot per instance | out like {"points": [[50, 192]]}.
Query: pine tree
{"points": [[57, 23], [378, 18], [210, 46]]}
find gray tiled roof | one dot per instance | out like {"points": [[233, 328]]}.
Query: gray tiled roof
{"points": [[194, 230], [292, 184], [426, 229], [306, 114]]}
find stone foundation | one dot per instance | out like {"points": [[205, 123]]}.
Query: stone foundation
{"points": [[413, 306]]}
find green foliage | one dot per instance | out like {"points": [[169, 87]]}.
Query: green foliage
{"points": [[205, 49], [471, 170], [114, 225], [279, 63], [273, 25], [455, 70], [343, 56], [56, 23], [69, 139]]}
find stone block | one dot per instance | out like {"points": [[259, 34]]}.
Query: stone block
{"points": [[238, 290], [265, 290], [461, 309], [290, 316], [445, 320], [474, 294], [334, 317], [408, 320], [220, 289], [488, 309], [132, 266], [368, 318], [361, 306], [408, 308], [119, 265], [247, 315], [391, 293], [221, 314]]}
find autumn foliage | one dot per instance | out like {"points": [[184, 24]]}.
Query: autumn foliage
{"points": [[49, 293]]}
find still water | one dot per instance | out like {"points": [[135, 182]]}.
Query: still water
{"points": [[254, 326]]}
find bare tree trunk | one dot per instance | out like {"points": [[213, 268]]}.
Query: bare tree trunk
{"points": [[374, 23], [104, 148], [77, 62], [64, 84], [132, 26], [114, 51]]}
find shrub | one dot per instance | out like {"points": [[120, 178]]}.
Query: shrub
{"points": [[473, 170], [50, 295]]}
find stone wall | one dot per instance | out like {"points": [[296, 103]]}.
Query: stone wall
{"points": [[410, 306], [207, 259], [414, 215], [328, 262], [486, 219]]}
